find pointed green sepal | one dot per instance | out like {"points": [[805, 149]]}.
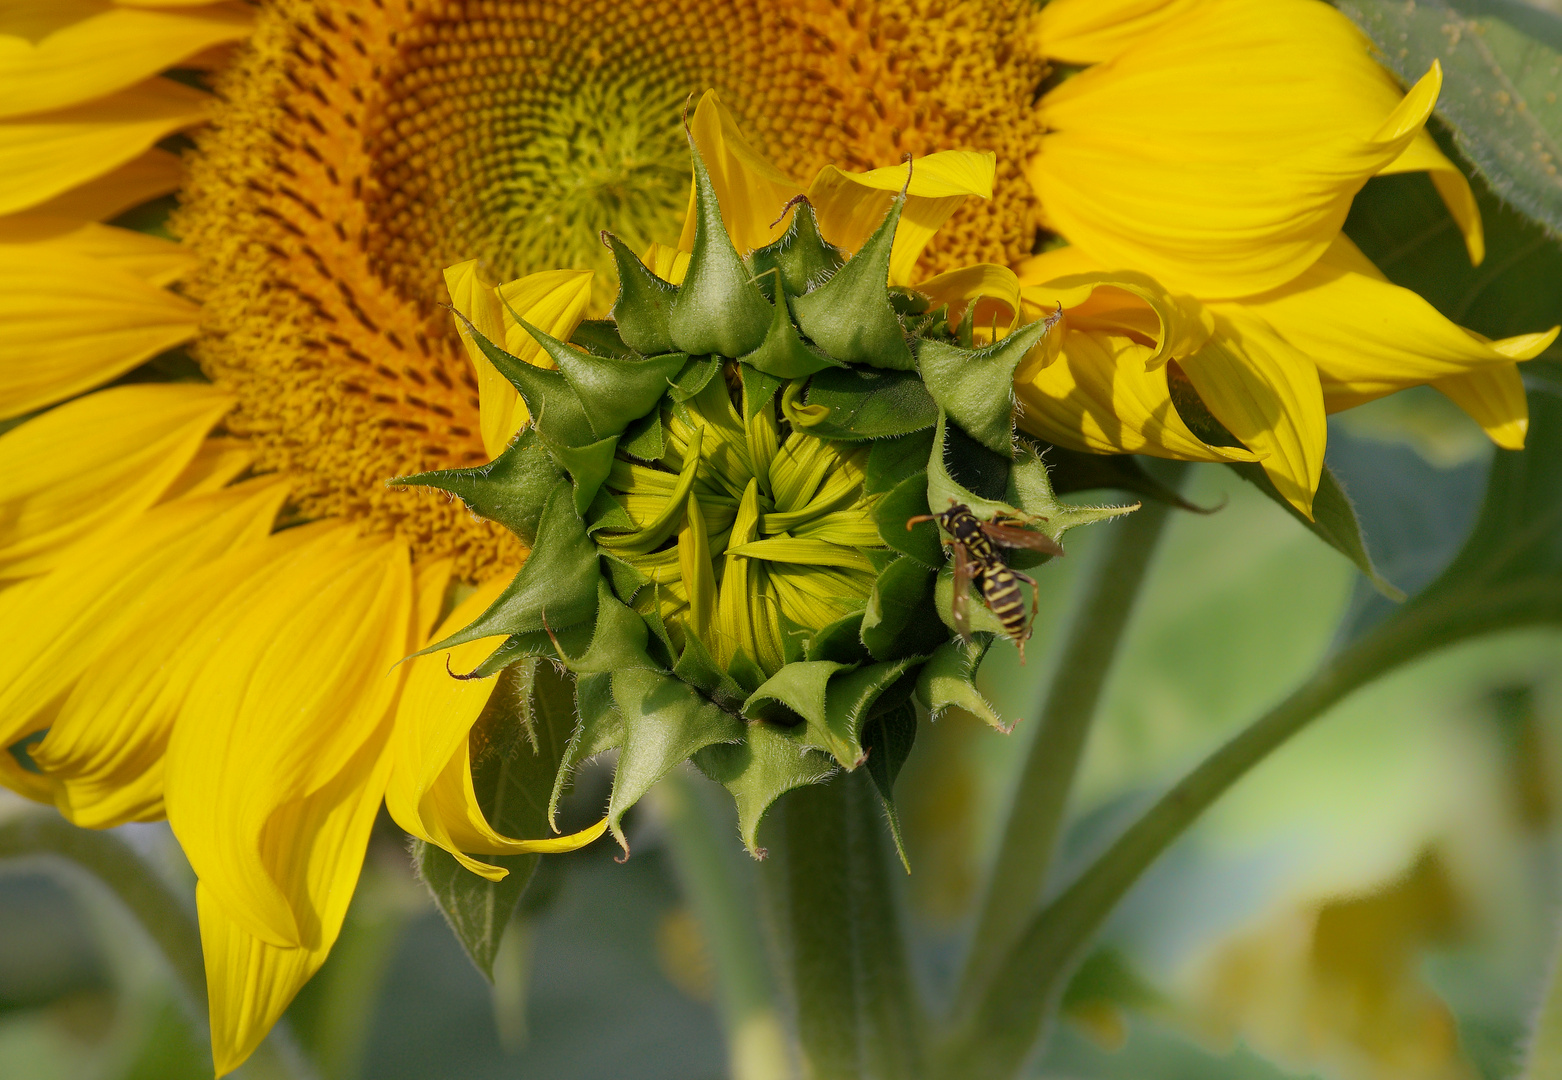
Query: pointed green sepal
{"points": [[802, 689], [850, 316], [669, 722], [557, 584], [784, 354], [767, 764], [587, 466], [719, 309], [862, 403], [976, 386], [906, 500], [801, 258], [555, 408], [947, 681], [613, 391], [600, 729], [600, 336], [644, 300], [510, 489], [887, 738], [618, 642]]}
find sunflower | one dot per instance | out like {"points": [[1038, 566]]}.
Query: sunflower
{"points": [[208, 585]]}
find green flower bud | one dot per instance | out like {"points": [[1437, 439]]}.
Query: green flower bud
{"points": [[730, 489]]}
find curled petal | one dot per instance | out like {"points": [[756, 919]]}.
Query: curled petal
{"points": [[1369, 337], [1494, 398], [1289, 116], [1266, 393], [993, 290], [851, 205], [1101, 396], [749, 188], [1422, 155], [431, 793]]}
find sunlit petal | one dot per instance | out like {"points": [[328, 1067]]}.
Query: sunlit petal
{"points": [[749, 188], [1090, 31], [1494, 398]]}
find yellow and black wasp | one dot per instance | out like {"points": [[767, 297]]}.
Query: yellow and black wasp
{"points": [[977, 562]]}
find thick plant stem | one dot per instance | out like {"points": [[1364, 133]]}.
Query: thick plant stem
{"points": [[725, 903], [1543, 1058], [993, 1042], [1104, 604], [837, 918], [163, 914]]}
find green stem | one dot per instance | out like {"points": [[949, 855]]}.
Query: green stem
{"points": [[1105, 602], [1543, 1059], [836, 913], [162, 913], [724, 901], [994, 1042]]}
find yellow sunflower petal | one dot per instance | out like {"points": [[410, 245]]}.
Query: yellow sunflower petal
{"points": [[317, 843], [214, 465], [108, 50], [27, 237], [994, 289], [105, 746], [1494, 398], [52, 628], [749, 188], [1220, 154], [476, 298], [93, 463], [1422, 155], [1266, 393], [139, 180], [1116, 302], [44, 155], [666, 262], [1100, 396], [1090, 31], [279, 718], [430, 793], [69, 322], [1369, 337], [851, 205]]}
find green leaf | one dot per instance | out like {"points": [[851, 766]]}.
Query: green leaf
{"points": [[907, 500], [1030, 490], [599, 729], [719, 309], [1400, 224], [696, 668], [841, 641], [1333, 522], [695, 376], [887, 738], [850, 316], [758, 389], [962, 470], [897, 621], [612, 391], [518, 744], [600, 336], [555, 408], [850, 698], [1500, 61], [510, 489], [644, 438], [769, 762], [868, 404], [975, 387], [892, 460]]}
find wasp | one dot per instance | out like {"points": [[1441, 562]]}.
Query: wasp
{"points": [[977, 562]]}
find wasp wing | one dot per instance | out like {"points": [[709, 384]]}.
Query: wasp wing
{"points": [[1009, 536], [964, 573]]}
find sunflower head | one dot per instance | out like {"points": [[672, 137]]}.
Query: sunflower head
{"points": [[716, 485]]}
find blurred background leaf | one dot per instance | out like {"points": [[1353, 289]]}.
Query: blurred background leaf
{"points": [[1502, 66]]}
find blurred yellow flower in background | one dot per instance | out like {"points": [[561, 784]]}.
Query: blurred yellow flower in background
{"points": [[207, 584]]}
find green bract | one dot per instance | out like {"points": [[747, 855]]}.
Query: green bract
{"points": [[715, 488]]}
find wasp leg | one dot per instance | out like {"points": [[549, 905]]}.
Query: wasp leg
{"points": [[1035, 609]]}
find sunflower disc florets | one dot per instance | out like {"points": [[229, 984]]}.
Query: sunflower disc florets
{"points": [[716, 487]]}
